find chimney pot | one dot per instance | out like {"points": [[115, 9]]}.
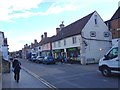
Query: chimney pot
{"points": [[61, 26], [41, 37], [45, 34], [57, 30]]}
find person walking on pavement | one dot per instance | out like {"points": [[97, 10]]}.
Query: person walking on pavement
{"points": [[16, 65]]}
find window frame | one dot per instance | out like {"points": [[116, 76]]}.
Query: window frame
{"points": [[106, 34], [64, 42], [91, 34], [74, 40]]}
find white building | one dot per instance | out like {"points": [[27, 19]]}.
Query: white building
{"points": [[4, 46], [88, 37]]}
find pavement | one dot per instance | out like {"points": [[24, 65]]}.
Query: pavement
{"points": [[0, 80], [26, 81]]}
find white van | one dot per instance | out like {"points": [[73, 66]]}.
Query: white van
{"points": [[111, 61]]}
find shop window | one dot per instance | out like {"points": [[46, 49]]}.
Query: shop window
{"points": [[93, 34], [106, 34]]}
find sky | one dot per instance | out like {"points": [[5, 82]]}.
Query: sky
{"points": [[22, 21]]}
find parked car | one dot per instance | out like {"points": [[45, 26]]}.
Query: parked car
{"points": [[33, 58], [110, 62], [59, 59], [39, 59], [49, 60]]}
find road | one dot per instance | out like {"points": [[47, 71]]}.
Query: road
{"points": [[72, 75]]}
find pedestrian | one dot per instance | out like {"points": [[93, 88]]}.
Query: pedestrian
{"points": [[16, 66]]}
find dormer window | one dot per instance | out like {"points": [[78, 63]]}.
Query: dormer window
{"points": [[95, 19]]}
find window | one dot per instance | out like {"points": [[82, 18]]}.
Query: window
{"points": [[93, 34], [95, 19], [47, 46], [106, 34], [113, 53], [64, 42], [54, 44], [59, 44], [74, 40], [40, 48]]}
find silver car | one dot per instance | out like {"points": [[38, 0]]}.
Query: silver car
{"points": [[39, 59]]}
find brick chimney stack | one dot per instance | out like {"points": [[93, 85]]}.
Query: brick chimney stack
{"points": [[61, 26], [41, 37], [57, 30], [35, 41], [45, 34]]}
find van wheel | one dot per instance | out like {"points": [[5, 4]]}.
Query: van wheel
{"points": [[106, 71]]}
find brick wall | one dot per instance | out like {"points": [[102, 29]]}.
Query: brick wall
{"points": [[115, 24]]}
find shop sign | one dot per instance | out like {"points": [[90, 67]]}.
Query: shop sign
{"points": [[72, 49]]}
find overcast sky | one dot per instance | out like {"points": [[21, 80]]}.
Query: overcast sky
{"points": [[22, 21]]}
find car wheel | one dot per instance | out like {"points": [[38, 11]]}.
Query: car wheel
{"points": [[106, 71]]}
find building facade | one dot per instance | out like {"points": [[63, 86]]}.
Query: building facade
{"points": [[88, 37], [114, 24], [45, 45], [85, 37]]}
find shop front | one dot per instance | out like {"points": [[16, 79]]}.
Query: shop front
{"points": [[73, 53], [57, 53]]}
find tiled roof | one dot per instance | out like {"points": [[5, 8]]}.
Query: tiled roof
{"points": [[45, 40], [116, 14], [74, 28]]}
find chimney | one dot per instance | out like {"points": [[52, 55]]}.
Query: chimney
{"points": [[5, 42], [61, 26], [57, 30], [35, 41], [45, 34], [41, 37], [32, 45], [26, 45]]}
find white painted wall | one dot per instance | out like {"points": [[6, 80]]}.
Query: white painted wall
{"points": [[1, 39], [93, 48], [69, 43], [5, 52]]}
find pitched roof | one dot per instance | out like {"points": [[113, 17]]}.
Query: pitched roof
{"points": [[116, 14], [74, 28], [45, 40]]}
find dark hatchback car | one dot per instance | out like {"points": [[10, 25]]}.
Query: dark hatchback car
{"points": [[49, 60]]}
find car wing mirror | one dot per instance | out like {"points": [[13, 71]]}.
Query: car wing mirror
{"points": [[106, 57]]}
